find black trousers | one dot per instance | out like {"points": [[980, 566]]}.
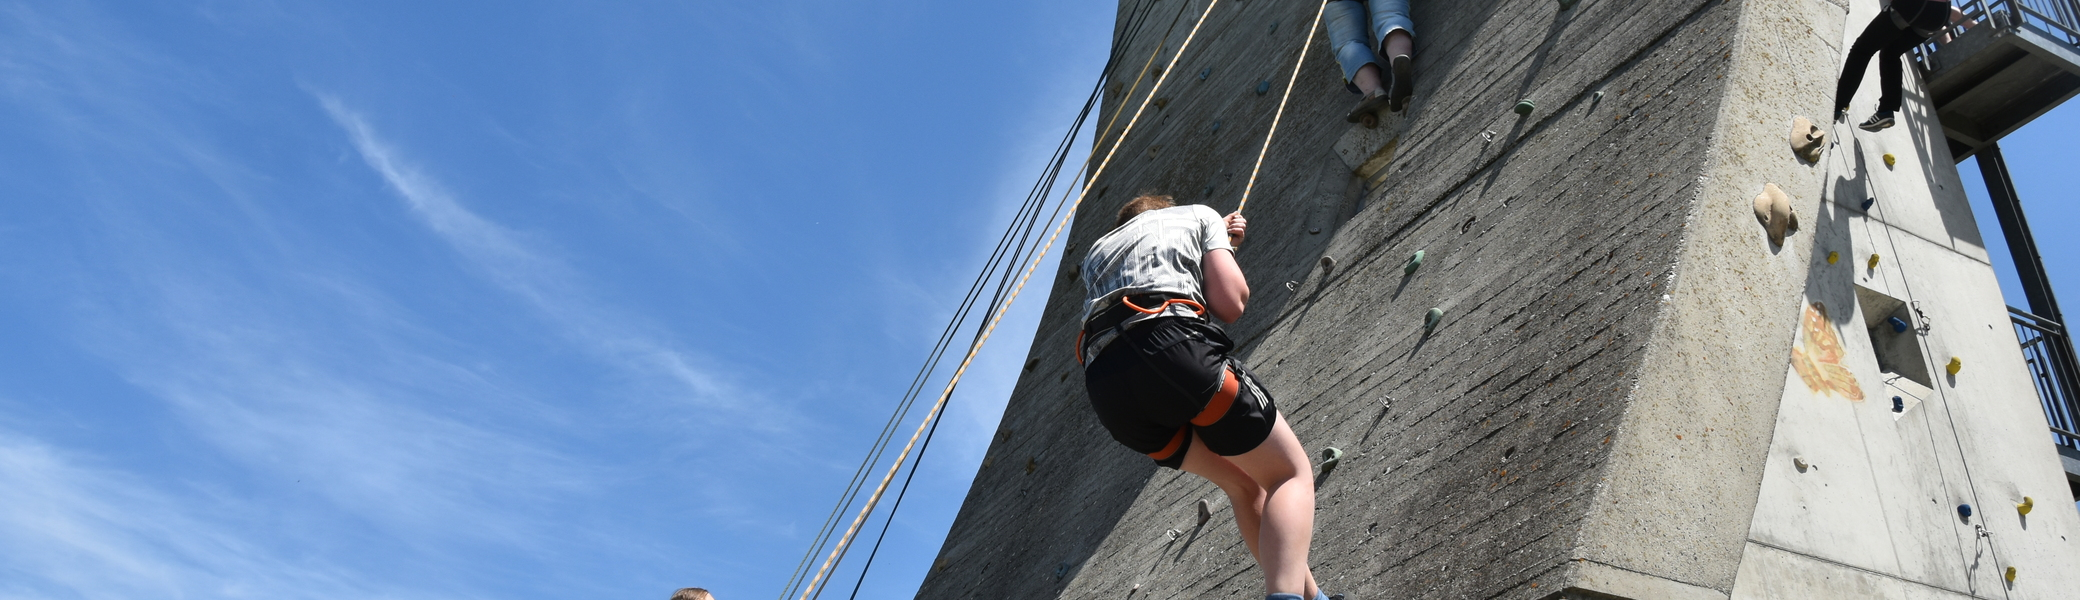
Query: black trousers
{"points": [[1885, 40]]}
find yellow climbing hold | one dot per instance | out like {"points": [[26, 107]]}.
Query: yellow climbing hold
{"points": [[1956, 365], [1833, 256], [1890, 160], [2011, 575], [1874, 262], [2026, 505]]}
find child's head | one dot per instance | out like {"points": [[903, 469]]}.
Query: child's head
{"points": [[1145, 203], [692, 594]]}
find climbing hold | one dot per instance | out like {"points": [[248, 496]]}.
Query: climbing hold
{"points": [[1274, 28], [1833, 256], [1216, 126], [1172, 533], [1808, 140], [1890, 160], [1800, 463], [1598, 97], [2027, 504], [1898, 325], [1773, 210], [1292, 286], [1328, 263], [1162, 103], [1061, 570], [1031, 464], [1330, 458], [1867, 202], [1314, 231], [1414, 262], [1873, 264], [1524, 107], [1899, 405], [1955, 365], [1205, 511], [2011, 575], [1204, 73], [1567, 4], [1964, 511], [1430, 320], [1264, 87]]}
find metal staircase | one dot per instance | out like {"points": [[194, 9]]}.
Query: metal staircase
{"points": [[2021, 60]]}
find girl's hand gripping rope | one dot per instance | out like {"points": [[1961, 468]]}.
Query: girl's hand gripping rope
{"points": [[1237, 227]]}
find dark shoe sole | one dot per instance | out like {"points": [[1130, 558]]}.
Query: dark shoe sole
{"points": [[1404, 82], [1876, 125], [1367, 108]]}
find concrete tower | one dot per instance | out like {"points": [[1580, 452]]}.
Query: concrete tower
{"points": [[1633, 393]]}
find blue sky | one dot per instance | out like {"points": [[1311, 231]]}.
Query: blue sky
{"points": [[519, 299]]}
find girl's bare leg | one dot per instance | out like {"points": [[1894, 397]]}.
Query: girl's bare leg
{"points": [[1250, 499]]}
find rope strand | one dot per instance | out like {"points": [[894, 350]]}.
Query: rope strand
{"points": [[1304, 47]]}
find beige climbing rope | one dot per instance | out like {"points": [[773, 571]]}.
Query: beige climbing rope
{"points": [[991, 327], [1304, 47]]}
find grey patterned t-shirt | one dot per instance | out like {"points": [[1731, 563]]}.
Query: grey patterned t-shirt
{"points": [[1155, 252]]}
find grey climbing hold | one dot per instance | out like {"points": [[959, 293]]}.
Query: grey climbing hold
{"points": [[1898, 325], [1274, 28], [1205, 511], [1263, 88], [1061, 570], [1204, 73], [1328, 263], [1314, 231], [1524, 107], [1414, 262], [1172, 533], [1430, 320], [1292, 286], [1330, 458], [1598, 97]]}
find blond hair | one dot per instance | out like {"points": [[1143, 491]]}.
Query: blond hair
{"points": [[692, 594]]}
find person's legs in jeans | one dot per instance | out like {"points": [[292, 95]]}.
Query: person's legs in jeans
{"points": [[1272, 491], [1348, 25], [1394, 32]]}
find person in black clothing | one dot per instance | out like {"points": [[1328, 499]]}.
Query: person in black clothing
{"points": [[1901, 26]]}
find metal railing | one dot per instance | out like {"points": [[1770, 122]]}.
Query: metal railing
{"points": [[2048, 353], [2058, 18]]}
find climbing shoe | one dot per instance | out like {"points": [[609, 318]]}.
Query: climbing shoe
{"points": [[1877, 122], [1368, 108], [1404, 82]]}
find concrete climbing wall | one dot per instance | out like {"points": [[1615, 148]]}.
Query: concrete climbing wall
{"points": [[1598, 412]]}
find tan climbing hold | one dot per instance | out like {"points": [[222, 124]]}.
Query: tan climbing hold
{"points": [[1808, 140], [1773, 209], [1890, 160]]}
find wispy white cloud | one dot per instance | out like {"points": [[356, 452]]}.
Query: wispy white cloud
{"points": [[74, 529]]}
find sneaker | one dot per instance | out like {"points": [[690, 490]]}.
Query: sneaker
{"points": [[1841, 115], [1404, 81], [1369, 107], [1877, 122]]}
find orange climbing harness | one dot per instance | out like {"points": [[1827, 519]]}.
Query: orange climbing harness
{"points": [[1129, 302]]}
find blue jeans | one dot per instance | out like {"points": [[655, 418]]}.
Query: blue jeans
{"points": [[1351, 38]]}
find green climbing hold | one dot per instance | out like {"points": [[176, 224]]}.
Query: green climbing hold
{"points": [[1430, 320], [1414, 262], [1330, 458], [1525, 107]]}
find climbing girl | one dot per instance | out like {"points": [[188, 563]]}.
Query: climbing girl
{"points": [[1901, 26], [1362, 32], [1163, 383]]}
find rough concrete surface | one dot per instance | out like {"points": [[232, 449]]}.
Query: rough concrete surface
{"points": [[1594, 416]]}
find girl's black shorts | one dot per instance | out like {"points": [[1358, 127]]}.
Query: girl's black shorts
{"points": [[1166, 379]]}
